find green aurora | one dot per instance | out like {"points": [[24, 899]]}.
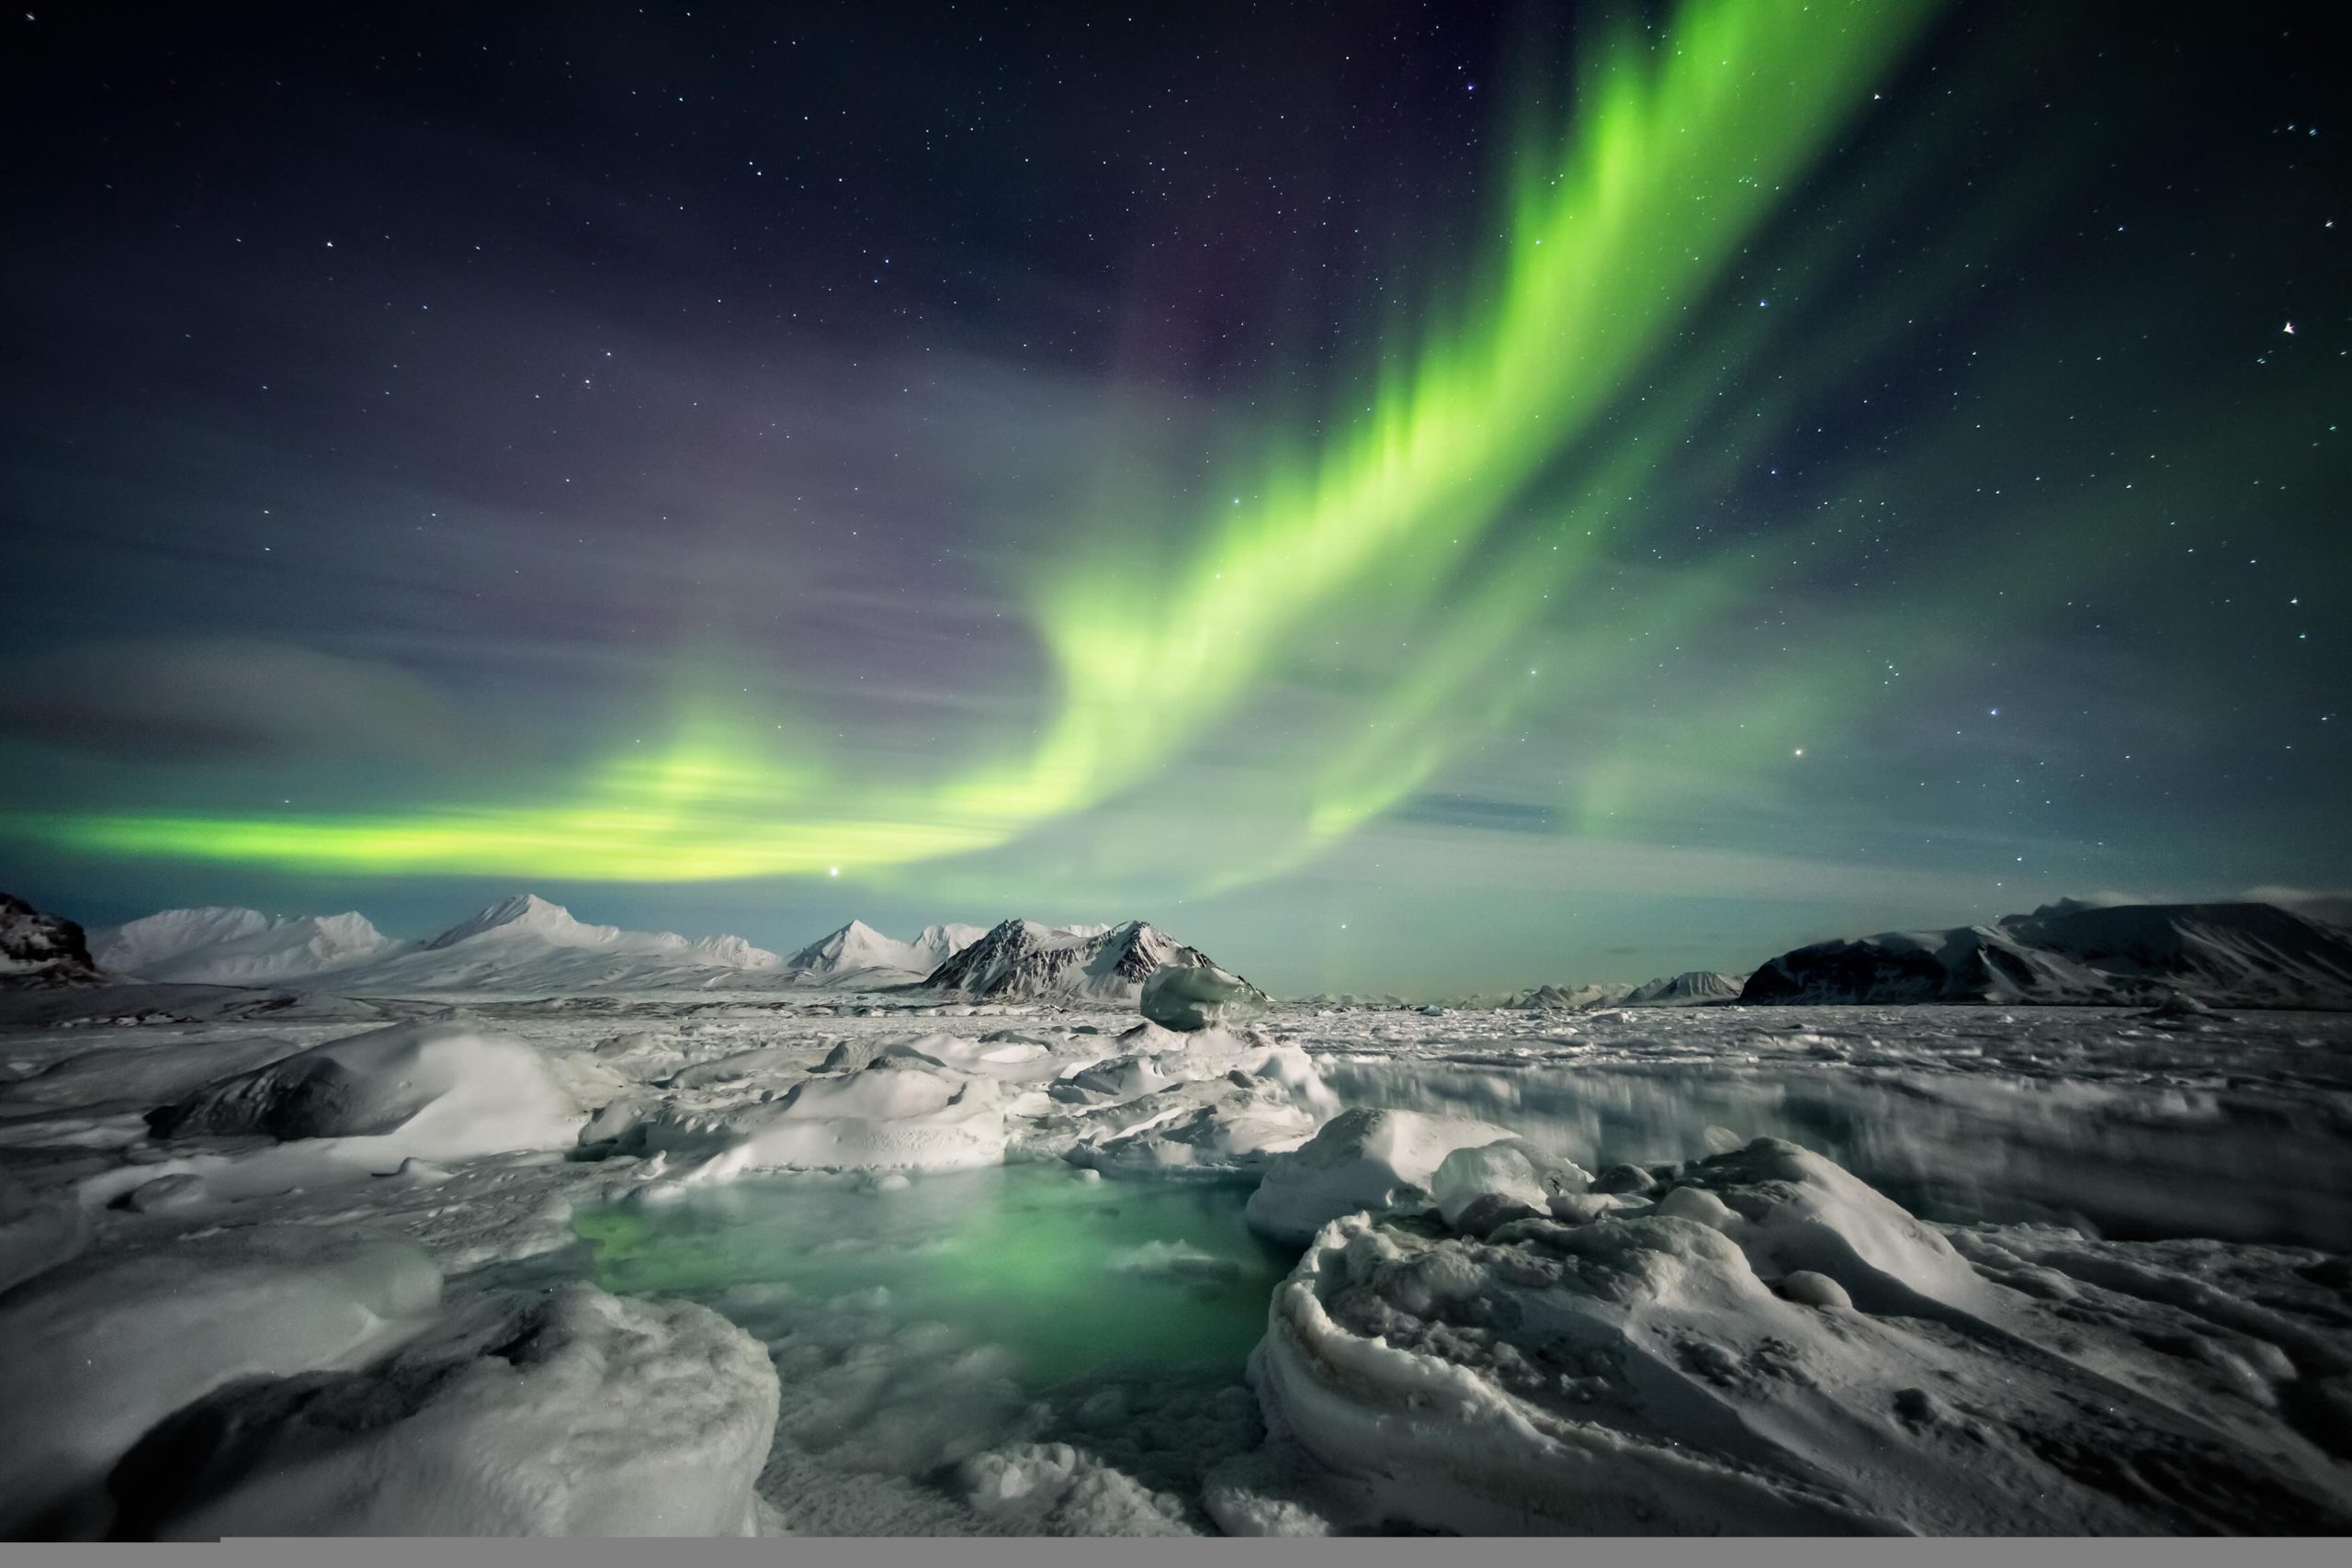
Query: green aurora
{"points": [[1678, 155]]}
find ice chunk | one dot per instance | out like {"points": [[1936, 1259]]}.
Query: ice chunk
{"points": [[1055, 1489], [1508, 1169], [1189, 998], [899, 1113], [1215, 1126], [1360, 1159], [1815, 1290]]}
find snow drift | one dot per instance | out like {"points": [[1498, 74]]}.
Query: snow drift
{"points": [[1772, 1347], [424, 1090], [576, 1413], [96, 1351]]}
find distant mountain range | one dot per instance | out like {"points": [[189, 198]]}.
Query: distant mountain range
{"points": [[2234, 955], [2239, 955], [528, 944], [1695, 987]]}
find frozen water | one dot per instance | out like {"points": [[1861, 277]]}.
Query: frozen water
{"points": [[962, 1318], [2134, 1213], [1070, 1278]]}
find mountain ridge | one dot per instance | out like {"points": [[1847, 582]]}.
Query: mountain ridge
{"points": [[2236, 954]]}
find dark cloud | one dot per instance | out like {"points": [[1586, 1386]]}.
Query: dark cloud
{"points": [[228, 700]]}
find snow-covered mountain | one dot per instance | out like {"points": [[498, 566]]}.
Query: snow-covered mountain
{"points": [[857, 949], [1693, 987], [520, 945], [2260, 953], [529, 918], [1022, 958], [40, 950], [526, 944], [240, 947], [1568, 999], [523, 943], [135, 946], [2237, 955]]}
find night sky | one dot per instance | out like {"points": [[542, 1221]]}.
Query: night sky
{"points": [[1409, 497]]}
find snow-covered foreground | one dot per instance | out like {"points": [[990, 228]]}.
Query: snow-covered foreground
{"points": [[847, 1264]]}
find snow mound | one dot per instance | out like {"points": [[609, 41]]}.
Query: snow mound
{"points": [[40, 950], [904, 1112], [1776, 1348], [2228, 956], [576, 1413], [1113, 1080], [97, 1350], [1359, 1160], [430, 1090], [1187, 997]]}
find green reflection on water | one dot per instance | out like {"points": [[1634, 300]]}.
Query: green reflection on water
{"points": [[1074, 1277]]}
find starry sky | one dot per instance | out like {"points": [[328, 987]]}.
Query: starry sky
{"points": [[1411, 498]]}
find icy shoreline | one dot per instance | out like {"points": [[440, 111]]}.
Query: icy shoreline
{"points": [[1731, 1392]]}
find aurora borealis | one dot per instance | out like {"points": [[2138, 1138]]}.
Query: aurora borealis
{"points": [[1747, 471]]}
